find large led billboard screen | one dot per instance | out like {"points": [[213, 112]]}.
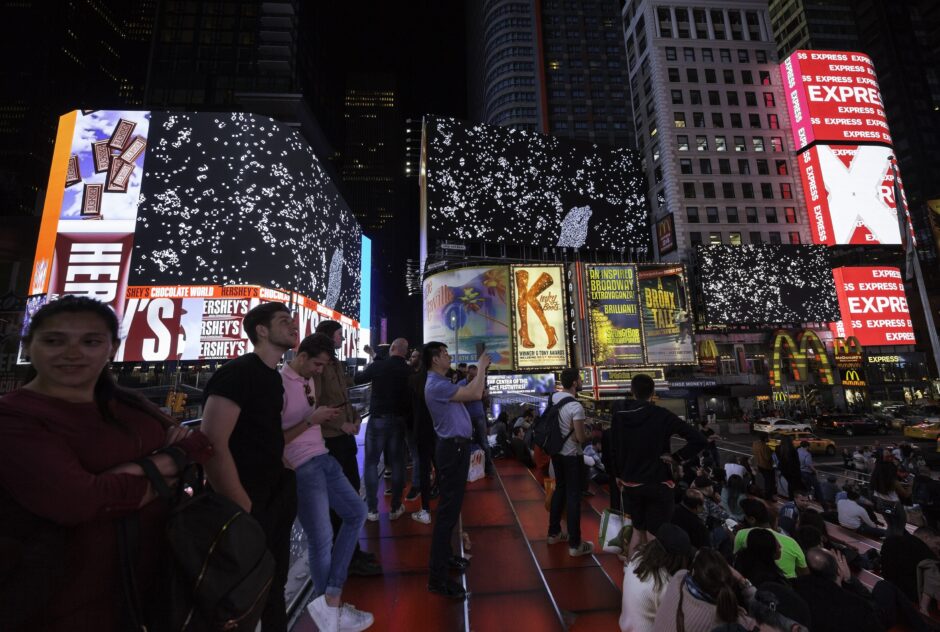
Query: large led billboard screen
{"points": [[666, 315], [508, 186], [850, 194], [467, 307], [833, 96], [184, 204], [873, 305], [767, 283]]}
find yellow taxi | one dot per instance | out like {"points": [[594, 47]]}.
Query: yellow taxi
{"points": [[817, 445], [928, 431]]}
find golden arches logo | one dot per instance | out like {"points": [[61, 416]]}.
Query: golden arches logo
{"points": [[798, 355], [847, 346], [707, 349]]}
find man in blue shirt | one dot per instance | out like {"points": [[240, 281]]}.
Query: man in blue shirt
{"points": [[478, 419], [445, 401]]}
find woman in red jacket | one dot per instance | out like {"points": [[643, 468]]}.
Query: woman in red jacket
{"points": [[68, 439]]}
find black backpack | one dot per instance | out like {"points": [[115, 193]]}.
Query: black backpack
{"points": [[546, 431], [219, 567]]}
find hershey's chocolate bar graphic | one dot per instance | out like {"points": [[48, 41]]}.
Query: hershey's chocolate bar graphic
{"points": [[91, 199], [134, 149], [121, 136], [118, 176], [101, 154], [73, 174], [88, 111]]}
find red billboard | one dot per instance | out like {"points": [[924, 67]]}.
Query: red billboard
{"points": [[666, 235], [873, 306], [850, 194], [833, 96]]}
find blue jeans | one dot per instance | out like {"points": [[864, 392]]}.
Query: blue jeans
{"points": [[321, 486], [385, 434]]}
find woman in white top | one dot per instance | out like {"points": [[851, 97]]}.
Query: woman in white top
{"points": [[647, 574]]}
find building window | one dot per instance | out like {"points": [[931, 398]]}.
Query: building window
{"points": [[782, 168], [695, 97], [727, 190], [773, 122], [794, 238], [711, 212], [673, 75], [736, 120], [758, 143], [721, 143], [708, 190], [767, 190], [776, 143], [790, 214], [705, 166], [773, 237], [685, 166], [724, 166], [732, 97], [747, 190], [688, 190], [718, 120], [677, 97], [688, 53], [724, 52], [747, 77], [714, 98], [658, 175], [692, 75], [691, 214], [728, 76], [750, 212], [710, 75], [754, 121], [769, 100], [744, 167], [770, 214], [707, 55], [750, 99], [670, 50], [732, 212], [698, 119], [786, 191], [714, 238], [764, 77], [695, 238], [679, 119], [739, 144], [756, 238], [762, 168], [683, 142], [760, 56], [743, 56], [701, 143], [734, 238]]}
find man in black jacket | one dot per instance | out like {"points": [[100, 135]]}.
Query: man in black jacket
{"points": [[688, 516], [640, 436], [834, 604], [389, 411]]}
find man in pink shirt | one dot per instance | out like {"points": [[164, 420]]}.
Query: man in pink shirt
{"points": [[321, 486]]}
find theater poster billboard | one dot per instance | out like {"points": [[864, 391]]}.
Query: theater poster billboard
{"points": [[467, 307], [538, 308], [666, 316], [614, 314]]}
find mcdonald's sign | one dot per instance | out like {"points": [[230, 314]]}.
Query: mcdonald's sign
{"points": [[666, 235], [848, 352], [852, 377], [798, 356], [708, 356]]}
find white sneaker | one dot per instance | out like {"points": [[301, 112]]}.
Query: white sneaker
{"points": [[395, 515], [421, 516], [326, 617], [353, 620], [372, 516]]}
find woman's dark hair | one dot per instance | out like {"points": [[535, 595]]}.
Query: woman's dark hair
{"points": [[786, 453], [808, 536], [315, 344], [712, 574], [652, 559], [895, 519], [884, 476], [758, 559], [106, 389], [812, 518], [328, 327], [735, 487]]}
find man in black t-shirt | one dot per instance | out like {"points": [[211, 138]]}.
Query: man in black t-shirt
{"points": [[242, 418]]}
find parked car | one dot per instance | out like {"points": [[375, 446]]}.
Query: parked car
{"points": [[929, 431], [903, 416], [776, 424], [851, 424], [817, 445]]}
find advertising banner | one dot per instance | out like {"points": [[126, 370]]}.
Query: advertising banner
{"points": [[667, 319], [833, 96], [933, 214], [533, 383], [850, 194], [466, 307], [614, 314], [666, 235], [873, 305], [538, 303]]}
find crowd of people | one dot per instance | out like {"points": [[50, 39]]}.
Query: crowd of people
{"points": [[750, 543]]}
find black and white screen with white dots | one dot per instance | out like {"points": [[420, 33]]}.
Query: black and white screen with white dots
{"points": [[767, 283], [507, 186], [235, 198]]}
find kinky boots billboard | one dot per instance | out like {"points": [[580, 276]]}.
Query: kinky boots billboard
{"points": [[538, 303]]}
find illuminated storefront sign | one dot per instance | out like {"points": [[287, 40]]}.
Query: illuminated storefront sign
{"points": [[625, 376], [873, 305], [833, 96], [614, 315], [847, 351], [538, 309], [667, 320], [666, 235], [798, 355], [852, 377]]}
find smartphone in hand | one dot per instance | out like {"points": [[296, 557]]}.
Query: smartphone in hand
{"points": [[481, 348]]}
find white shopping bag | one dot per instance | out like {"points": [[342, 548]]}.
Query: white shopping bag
{"points": [[476, 465]]}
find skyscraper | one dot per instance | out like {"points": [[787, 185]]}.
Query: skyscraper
{"points": [[711, 123], [820, 24], [549, 66]]}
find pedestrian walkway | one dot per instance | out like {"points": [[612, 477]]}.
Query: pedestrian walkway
{"points": [[515, 580]]}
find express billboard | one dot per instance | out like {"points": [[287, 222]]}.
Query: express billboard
{"points": [[666, 315], [833, 96], [470, 306], [186, 204], [873, 306], [850, 194], [614, 314]]}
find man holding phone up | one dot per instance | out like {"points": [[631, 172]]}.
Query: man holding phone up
{"points": [[478, 416]]}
